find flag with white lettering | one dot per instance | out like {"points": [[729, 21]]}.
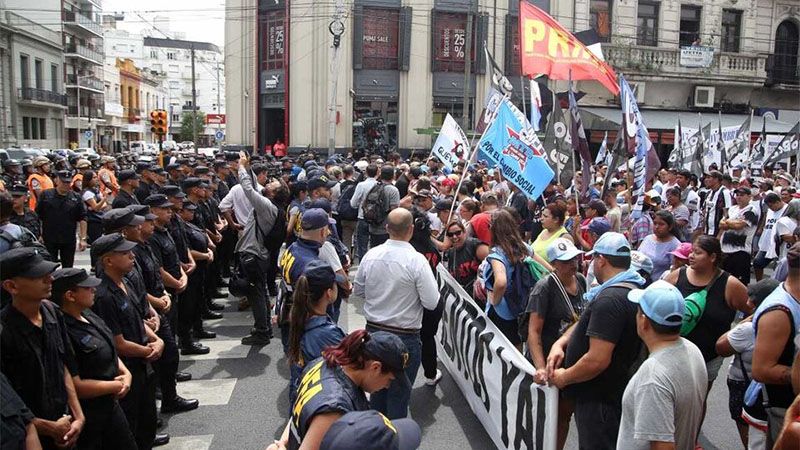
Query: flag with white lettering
{"points": [[636, 133], [787, 147], [740, 147], [452, 145]]}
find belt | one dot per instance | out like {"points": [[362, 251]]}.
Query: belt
{"points": [[392, 329]]}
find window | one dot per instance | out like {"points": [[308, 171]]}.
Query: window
{"points": [[26, 128], [54, 77], [170, 55], [174, 69], [42, 128], [176, 118], [24, 71], [154, 54], [600, 18], [38, 74], [274, 40], [690, 25], [731, 30], [34, 127], [647, 24], [380, 38], [449, 41]]}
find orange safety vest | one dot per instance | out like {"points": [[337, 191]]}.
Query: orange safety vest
{"points": [[44, 182], [77, 178], [114, 186]]}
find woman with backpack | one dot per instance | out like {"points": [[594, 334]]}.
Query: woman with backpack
{"points": [[503, 304], [712, 298]]}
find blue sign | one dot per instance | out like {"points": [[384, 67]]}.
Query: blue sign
{"points": [[511, 143], [88, 134], [219, 135]]}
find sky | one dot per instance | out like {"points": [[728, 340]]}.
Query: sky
{"points": [[201, 20]]}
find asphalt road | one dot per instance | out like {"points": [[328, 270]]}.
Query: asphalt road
{"points": [[243, 393]]}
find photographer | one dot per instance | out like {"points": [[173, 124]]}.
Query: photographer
{"points": [[254, 255]]}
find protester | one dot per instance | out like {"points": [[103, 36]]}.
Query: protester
{"points": [[363, 188], [464, 255], [737, 232], [680, 212], [766, 243], [680, 257], [480, 223], [661, 243], [663, 401], [552, 220]]}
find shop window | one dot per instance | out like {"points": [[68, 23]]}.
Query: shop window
{"points": [[449, 41], [380, 39], [690, 25], [375, 126], [274, 45], [600, 18]]}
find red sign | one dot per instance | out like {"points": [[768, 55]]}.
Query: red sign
{"points": [[450, 40], [379, 44], [549, 49], [274, 39], [215, 119]]}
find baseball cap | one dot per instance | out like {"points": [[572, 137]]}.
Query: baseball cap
{"points": [[321, 203], [158, 201], [314, 219], [320, 181], [682, 251], [320, 273], [611, 244], [171, 190], [599, 226], [640, 261], [760, 290], [390, 350], [562, 250], [70, 278], [661, 302], [113, 242], [371, 430], [444, 204], [25, 262], [118, 218]]}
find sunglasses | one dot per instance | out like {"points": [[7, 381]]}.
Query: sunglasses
{"points": [[454, 233]]}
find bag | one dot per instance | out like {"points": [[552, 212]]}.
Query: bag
{"points": [[524, 319], [525, 275], [695, 305], [374, 206], [343, 208], [26, 240]]}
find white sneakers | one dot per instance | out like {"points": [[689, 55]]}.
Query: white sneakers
{"points": [[435, 380]]}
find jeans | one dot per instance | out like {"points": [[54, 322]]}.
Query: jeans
{"points": [[254, 270], [361, 239], [393, 402]]}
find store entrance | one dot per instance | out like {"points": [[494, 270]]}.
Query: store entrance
{"points": [[272, 127], [374, 127]]}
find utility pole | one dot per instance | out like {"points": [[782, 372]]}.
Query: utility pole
{"points": [[467, 51], [336, 27], [194, 105], [219, 109]]}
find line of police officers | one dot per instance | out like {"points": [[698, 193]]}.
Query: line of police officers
{"points": [[87, 373]]}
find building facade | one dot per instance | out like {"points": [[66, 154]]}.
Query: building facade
{"points": [[32, 100], [402, 64]]}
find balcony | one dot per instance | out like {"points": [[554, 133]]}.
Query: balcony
{"points": [[93, 111], [81, 22], [92, 83], [42, 96], [189, 108], [83, 52], [133, 114], [665, 63], [783, 71]]}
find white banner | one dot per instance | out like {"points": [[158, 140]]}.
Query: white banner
{"points": [[494, 377], [696, 56], [452, 145], [713, 154]]}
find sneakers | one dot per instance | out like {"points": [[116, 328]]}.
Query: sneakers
{"points": [[435, 380], [255, 339]]}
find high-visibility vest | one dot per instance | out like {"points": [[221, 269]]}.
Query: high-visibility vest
{"points": [[44, 183], [113, 186], [78, 178]]}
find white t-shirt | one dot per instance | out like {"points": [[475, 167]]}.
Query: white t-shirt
{"points": [[743, 340], [692, 201], [784, 226], [741, 240], [766, 242]]}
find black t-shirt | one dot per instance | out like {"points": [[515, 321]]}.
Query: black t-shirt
{"points": [[612, 318], [548, 302], [150, 269], [120, 314], [60, 215], [177, 229], [462, 263], [165, 249]]}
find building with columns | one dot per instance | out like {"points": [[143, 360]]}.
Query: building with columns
{"points": [[402, 65]]}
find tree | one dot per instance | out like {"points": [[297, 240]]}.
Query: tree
{"points": [[186, 125]]}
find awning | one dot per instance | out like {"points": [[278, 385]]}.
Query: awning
{"points": [[599, 118]]}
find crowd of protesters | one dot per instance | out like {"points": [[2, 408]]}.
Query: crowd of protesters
{"points": [[631, 314]]}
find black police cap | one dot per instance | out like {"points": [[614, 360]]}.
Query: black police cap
{"points": [[119, 218], [171, 190], [158, 201], [127, 174], [25, 262], [107, 243]]}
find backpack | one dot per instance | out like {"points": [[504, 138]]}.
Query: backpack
{"points": [[524, 276], [27, 240], [345, 211], [374, 206], [695, 305]]}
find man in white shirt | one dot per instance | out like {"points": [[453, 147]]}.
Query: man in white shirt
{"points": [[237, 202], [766, 243], [737, 233], [396, 284], [689, 198]]}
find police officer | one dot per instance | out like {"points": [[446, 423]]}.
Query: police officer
{"points": [[128, 182], [39, 180], [23, 216], [175, 175], [101, 376], [147, 185], [62, 211], [35, 352], [108, 178], [137, 345], [82, 165], [12, 172], [16, 427], [371, 430]]}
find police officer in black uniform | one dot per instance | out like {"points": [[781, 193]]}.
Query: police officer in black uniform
{"points": [[12, 172], [101, 376], [16, 427], [61, 211], [35, 352], [146, 183], [136, 344], [128, 182], [23, 216]]}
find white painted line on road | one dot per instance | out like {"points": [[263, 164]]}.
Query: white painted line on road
{"points": [[208, 392], [200, 442]]}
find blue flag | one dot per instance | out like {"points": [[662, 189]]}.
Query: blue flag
{"points": [[511, 144]]}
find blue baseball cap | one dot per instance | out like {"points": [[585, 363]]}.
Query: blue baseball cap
{"points": [[611, 244], [661, 302], [314, 219], [320, 273], [371, 430], [562, 250], [599, 226], [640, 261]]}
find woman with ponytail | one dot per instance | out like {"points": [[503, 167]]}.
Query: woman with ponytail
{"points": [[310, 327], [337, 383]]}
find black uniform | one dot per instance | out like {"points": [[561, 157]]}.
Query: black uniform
{"points": [[118, 310], [29, 220], [34, 359], [190, 313], [15, 417], [124, 199], [96, 358], [145, 190], [60, 215]]}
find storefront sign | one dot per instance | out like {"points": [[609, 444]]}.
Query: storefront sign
{"points": [[380, 37], [274, 39], [215, 119], [451, 38], [696, 56]]}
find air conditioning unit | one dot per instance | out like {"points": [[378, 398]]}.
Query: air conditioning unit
{"points": [[639, 90], [704, 96]]}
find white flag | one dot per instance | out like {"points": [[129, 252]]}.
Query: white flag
{"points": [[452, 145]]}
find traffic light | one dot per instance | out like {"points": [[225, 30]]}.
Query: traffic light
{"points": [[158, 122]]}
